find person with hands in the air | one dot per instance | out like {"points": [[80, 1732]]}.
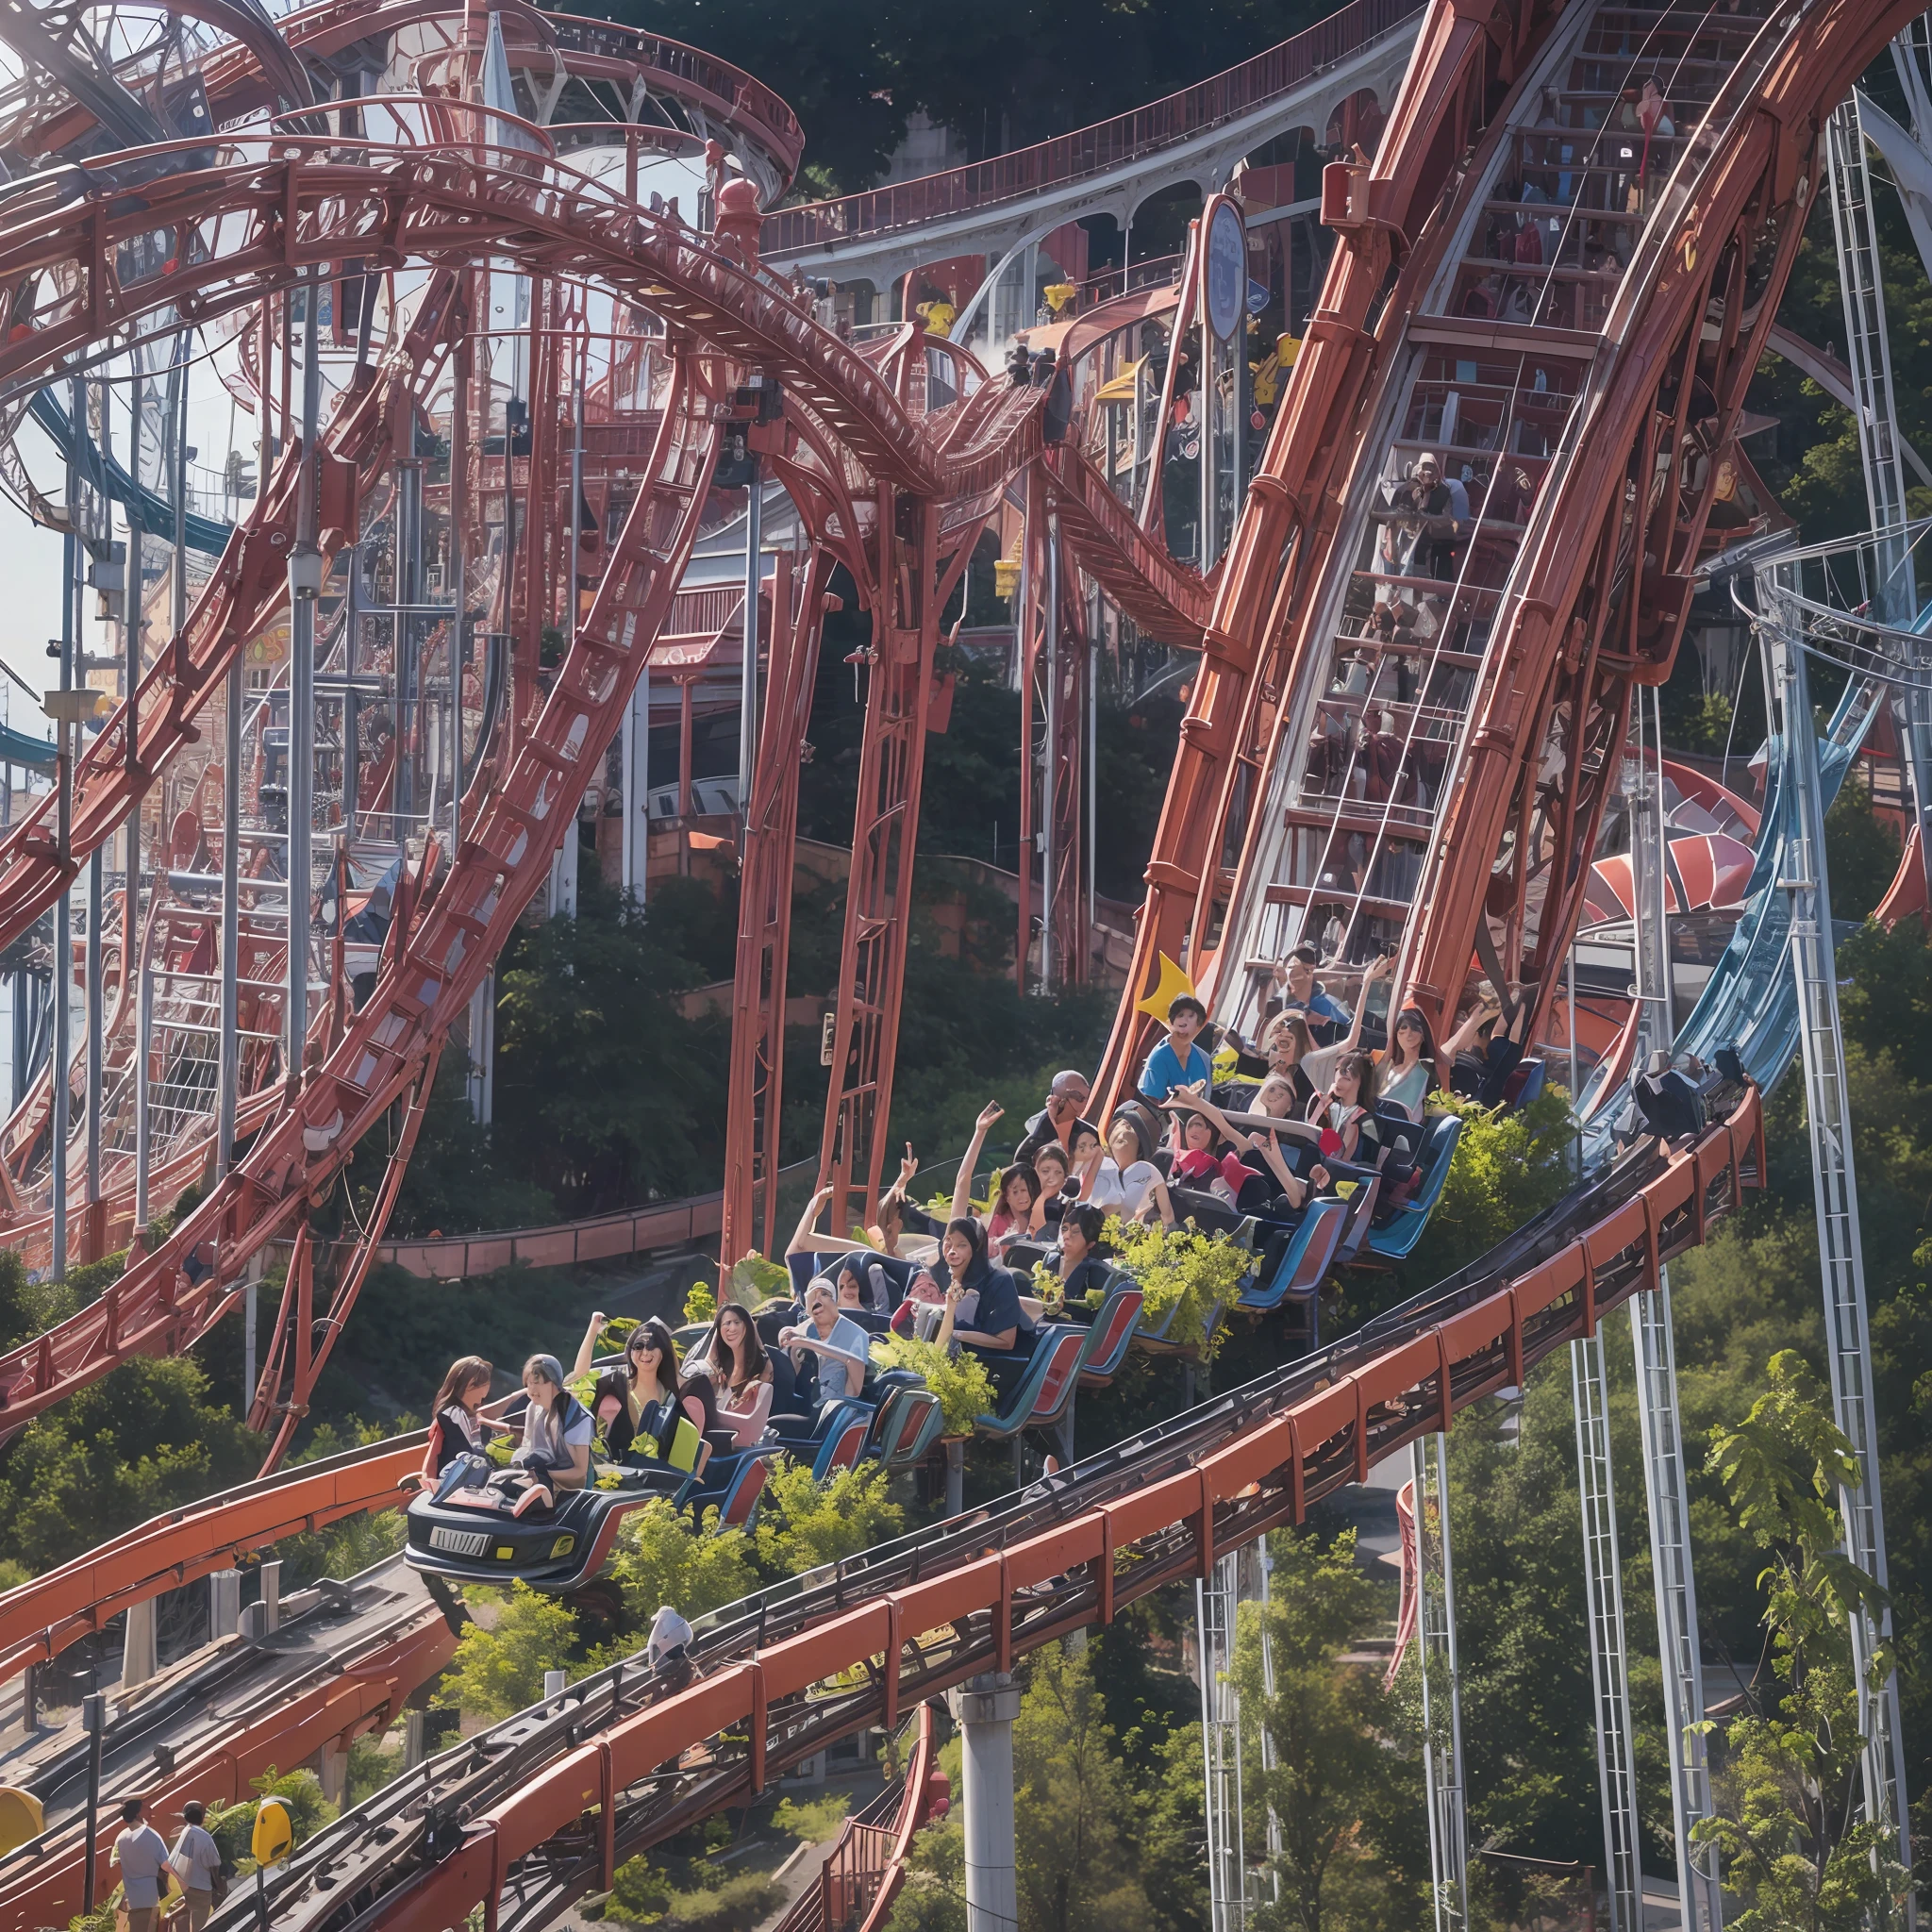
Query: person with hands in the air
{"points": [[989, 1115], [1177, 1061]]}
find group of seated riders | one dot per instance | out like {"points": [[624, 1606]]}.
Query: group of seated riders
{"points": [[1303, 1113]]}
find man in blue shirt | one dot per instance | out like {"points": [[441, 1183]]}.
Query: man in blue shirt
{"points": [[1304, 997], [1177, 1062]]}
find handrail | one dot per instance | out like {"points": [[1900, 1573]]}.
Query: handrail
{"points": [[596, 1238], [1088, 151]]}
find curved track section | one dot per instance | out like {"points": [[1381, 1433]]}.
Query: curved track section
{"points": [[1458, 820], [539, 1811]]}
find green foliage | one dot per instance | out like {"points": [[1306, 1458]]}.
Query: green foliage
{"points": [[342, 1550], [701, 1303], [1508, 1166], [13, 1574], [662, 1557], [753, 1279], [499, 1670], [606, 1094], [1331, 1725], [142, 1439], [231, 1827], [961, 1381], [815, 1821], [641, 1896], [1862, 850], [934, 1896], [1789, 1783], [804, 1524], [1079, 1874], [29, 1307], [461, 1179], [1182, 1270]]}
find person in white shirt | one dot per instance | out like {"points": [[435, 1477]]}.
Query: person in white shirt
{"points": [[141, 1853], [197, 1863]]}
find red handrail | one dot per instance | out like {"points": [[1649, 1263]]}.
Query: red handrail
{"points": [[1088, 151]]}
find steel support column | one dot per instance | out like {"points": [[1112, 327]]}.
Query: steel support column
{"points": [[1609, 1672], [1828, 1106], [1668, 1504], [1442, 1685], [1215, 1601]]}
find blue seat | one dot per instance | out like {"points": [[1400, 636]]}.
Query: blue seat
{"points": [[1526, 1083], [908, 1423], [1042, 1394], [1304, 1262], [1110, 1333], [1397, 1238]]}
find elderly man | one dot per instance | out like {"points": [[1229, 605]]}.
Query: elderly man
{"points": [[1060, 1118]]}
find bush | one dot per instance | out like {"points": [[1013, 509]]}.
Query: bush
{"points": [[811, 1824], [1181, 1271], [1507, 1169], [500, 1670], [960, 1382], [804, 1524], [662, 1558], [642, 1895]]}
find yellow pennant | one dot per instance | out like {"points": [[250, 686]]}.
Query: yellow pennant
{"points": [[1171, 985]]}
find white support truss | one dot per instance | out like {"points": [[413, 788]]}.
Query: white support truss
{"points": [[1609, 1667], [1669, 1507], [1215, 1601], [1435, 1631], [1841, 1249]]}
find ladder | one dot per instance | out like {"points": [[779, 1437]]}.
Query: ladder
{"points": [[1609, 1672], [1835, 1183]]}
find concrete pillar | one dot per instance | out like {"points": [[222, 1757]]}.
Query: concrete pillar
{"points": [[223, 1604], [415, 1738], [333, 1766], [139, 1661], [271, 1593], [983, 1708]]}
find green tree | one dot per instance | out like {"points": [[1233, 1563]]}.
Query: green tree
{"points": [[1507, 1168], [1862, 850], [662, 1558], [1074, 1857], [1326, 1719], [499, 1670], [607, 1095], [142, 1439], [803, 1523], [1789, 1783]]}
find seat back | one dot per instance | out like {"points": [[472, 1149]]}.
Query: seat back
{"points": [[1111, 1331], [1526, 1083], [741, 1493], [841, 1437], [1059, 1374], [1437, 1152], [907, 1426]]}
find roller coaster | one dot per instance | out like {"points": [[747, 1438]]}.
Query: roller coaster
{"points": [[438, 257]]}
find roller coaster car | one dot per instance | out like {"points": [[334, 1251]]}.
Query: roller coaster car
{"points": [[1397, 1236], [552, 1550]]}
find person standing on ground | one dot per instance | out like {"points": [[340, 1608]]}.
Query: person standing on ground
{"points": [[197, 1863], [141, 1853]]}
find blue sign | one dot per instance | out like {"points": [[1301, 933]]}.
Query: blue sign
{"points": [[1227, 269], [1258, 297]]}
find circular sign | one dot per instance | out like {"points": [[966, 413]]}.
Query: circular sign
{"points": [[1227, 269]]}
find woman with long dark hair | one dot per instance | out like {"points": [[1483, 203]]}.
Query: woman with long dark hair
{"points": [[741, 1376]]}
